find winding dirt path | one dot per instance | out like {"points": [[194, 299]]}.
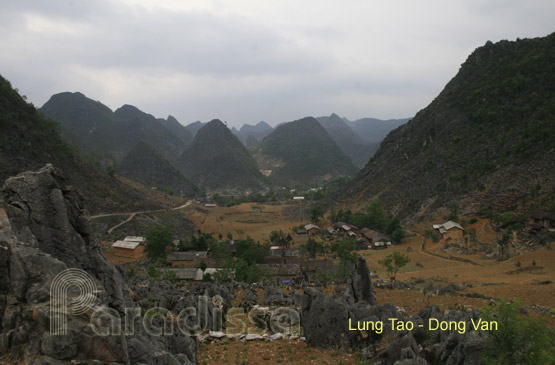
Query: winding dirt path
{"points": [[133, 214]]}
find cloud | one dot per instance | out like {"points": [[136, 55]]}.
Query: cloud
{"points": [[245, 61]]}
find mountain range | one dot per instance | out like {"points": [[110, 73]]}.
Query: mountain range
{"points": [[29, 141]]}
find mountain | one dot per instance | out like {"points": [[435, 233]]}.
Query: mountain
{"points": [[29, 141], [486, 141], [108, 136], [145, 165], [258, 131], [358, 150], [142, 126], [218, 161], [177, 129], [302, 152], [194, 127], [374, 130]]}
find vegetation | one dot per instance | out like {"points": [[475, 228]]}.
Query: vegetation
{"points": [[375, 218], [308, 152], [278, 238], [313, 248], [519, 339], [316, 213], [345, 251], [394, 262], [158, 240]]}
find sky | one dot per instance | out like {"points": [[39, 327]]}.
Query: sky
{"points": [[243, 61]]}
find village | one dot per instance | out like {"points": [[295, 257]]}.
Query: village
{"points": [[296, 250]]}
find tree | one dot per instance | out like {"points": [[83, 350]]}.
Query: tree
{"points": [[519, 339], [278, 238], [394, 262], [316, 213], [344, 251], [203, 265], [158, 240], [313, 248]]}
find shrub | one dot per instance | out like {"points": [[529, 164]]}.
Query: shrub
{"points": [[519, 339]]}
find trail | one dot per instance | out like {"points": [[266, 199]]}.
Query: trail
{"points": [[133, 214]]}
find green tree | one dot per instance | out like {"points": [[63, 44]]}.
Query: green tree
{"points": [[278, 238], [393, 262], [316, 213], [519, 339], [313, 248], [158, 240], [344, 250]]}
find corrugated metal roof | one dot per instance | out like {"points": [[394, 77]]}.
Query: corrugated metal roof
{"points": [[450, 224], [311, 226], [187, 256], [134, 239], [129, 245]]}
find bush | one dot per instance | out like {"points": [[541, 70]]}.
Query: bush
{"points": [[519, 339]]}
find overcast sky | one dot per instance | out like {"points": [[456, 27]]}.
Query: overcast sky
{"points": [[243, 61]]}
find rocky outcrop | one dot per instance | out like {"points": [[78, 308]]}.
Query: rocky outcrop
{"points": [[51, 232]]}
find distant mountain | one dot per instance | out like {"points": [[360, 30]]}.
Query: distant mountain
{"points": [[177, 129], [302, 152], [194, 127], [141, 126], [251, 141], [108, 136], [258, 131], [29, 141], [358, 150], [145, 165], [486, 141], [374, 130], [217, 161]]}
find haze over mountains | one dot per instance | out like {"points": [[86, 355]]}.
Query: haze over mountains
{"points": [[166, 154]]}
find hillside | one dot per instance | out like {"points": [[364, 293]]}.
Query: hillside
{"points": [[108, 136], [29, 141], [218, 161], [358, 150], [374, 130], [143, 164], [302, 152], [488, 137]]}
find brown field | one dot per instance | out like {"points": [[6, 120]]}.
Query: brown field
{"points": [[249, 219], [485, 279]]}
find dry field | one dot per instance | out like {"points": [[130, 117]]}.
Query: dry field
{"points": [[249, 219], [484, 279]]}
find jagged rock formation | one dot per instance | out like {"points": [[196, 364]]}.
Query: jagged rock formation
{"points": [[52, 232], [326, 322], [488, 136]]}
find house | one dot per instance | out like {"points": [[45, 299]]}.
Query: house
{"points": [[130, 246], [540, 219], [190, 273], [282, 251], [450, 229], [312, 229], [188, 259], [282, 271], [331, 230], [301, 232], [210, 205]]}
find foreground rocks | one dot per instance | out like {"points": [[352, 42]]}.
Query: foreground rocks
{"points": [[326, 323], [49, 231]]}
